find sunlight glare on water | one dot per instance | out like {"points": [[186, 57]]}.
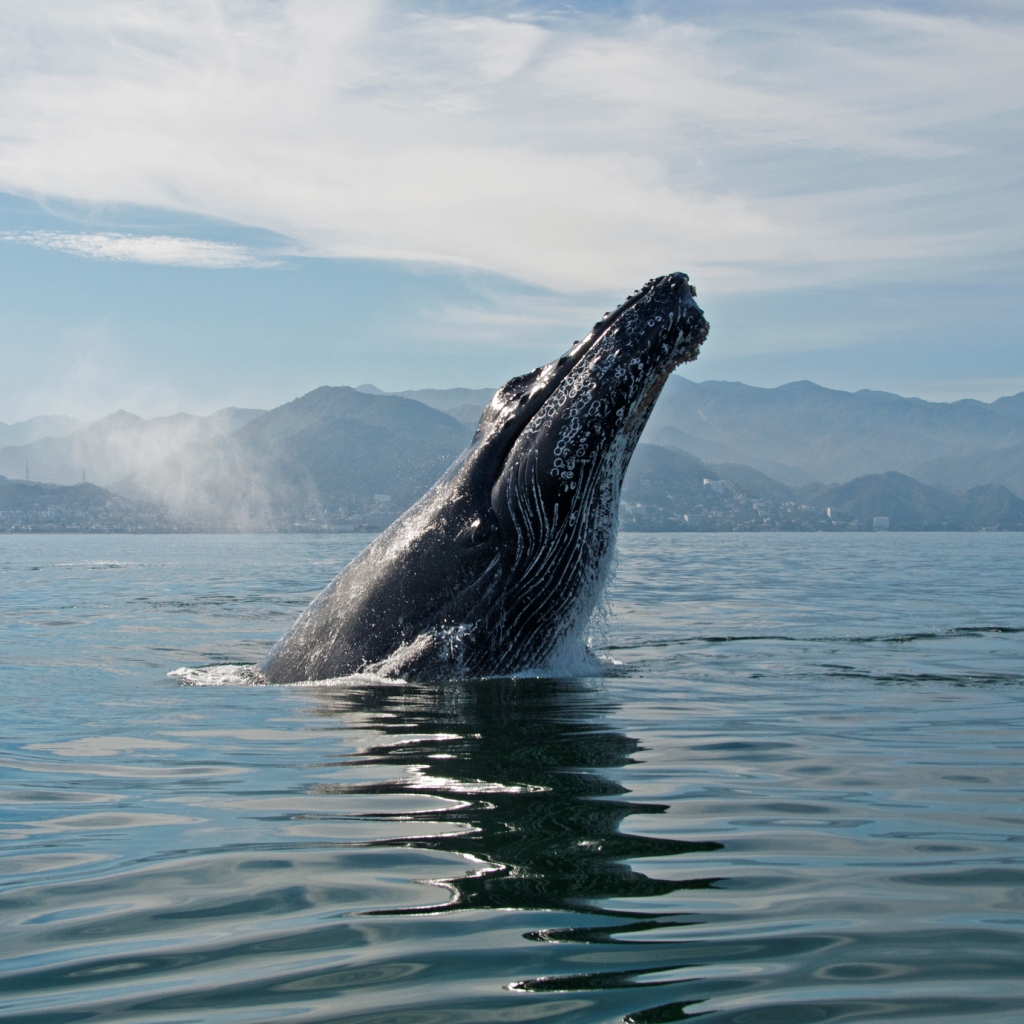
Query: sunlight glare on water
{"points": [[794, 796]]}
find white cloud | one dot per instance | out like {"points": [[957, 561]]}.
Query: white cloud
{"points": [[581, 154], [167, 250]]}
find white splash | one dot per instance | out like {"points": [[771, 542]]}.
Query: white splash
{"points": [[250, 675]]}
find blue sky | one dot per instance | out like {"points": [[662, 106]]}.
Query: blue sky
{"points": [[206, 203]]}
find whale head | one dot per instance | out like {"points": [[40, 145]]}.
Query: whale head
{"points": [[497, 569]]}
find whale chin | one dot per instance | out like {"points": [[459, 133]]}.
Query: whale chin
{"points": [[496, 570]]}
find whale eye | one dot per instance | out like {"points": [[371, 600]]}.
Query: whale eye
{"points": [[478, 531]]}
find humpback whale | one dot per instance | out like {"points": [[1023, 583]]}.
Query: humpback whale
{"points": [[497, 569]]}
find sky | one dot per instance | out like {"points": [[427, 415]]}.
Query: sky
{"points": [[231, 202]]}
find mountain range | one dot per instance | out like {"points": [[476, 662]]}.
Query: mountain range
{"points": [[343, 458], [802, 432]]}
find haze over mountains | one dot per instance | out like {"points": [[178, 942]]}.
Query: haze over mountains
{"points": [[343, 457], [330, 455], [115, 446]]}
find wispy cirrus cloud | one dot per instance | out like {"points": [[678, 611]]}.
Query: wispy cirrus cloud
{"points": [[165, 250], [794, 146]]}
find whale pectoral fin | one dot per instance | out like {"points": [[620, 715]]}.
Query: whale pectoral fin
{"points": [[440, 653]]}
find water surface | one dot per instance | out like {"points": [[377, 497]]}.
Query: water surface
{"points": [[796, 795]]}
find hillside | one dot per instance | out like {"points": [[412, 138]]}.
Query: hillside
{"points": [[669, 490], [27, 507], [1002, 466], [1012, 406], [912, 505], [462, 404]]}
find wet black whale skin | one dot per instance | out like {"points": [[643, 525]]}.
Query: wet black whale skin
{"points": [[497, 568]]}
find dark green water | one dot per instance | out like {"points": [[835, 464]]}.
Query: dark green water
{"points": [[798, 795]]}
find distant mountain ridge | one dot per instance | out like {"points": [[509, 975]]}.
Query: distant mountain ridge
{"points": [[960, 473], [806, 431], [39, 426], [1012, 406], [354, 458]]}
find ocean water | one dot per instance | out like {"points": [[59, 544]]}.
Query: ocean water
{"points": [[796, 794]]}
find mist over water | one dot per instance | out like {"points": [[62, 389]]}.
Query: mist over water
{"points": [[794, 794], [114, 449]]}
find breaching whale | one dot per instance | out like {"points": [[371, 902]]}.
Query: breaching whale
{"points": [[498, 567]]}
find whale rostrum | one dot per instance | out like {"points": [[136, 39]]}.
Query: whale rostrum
{"points": [[497, 569]]}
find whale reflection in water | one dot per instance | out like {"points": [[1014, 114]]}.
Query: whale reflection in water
{"points": [[524, 760], [523, 772]]}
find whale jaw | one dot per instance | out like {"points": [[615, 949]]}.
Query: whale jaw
{"points": [[497, 569]]}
